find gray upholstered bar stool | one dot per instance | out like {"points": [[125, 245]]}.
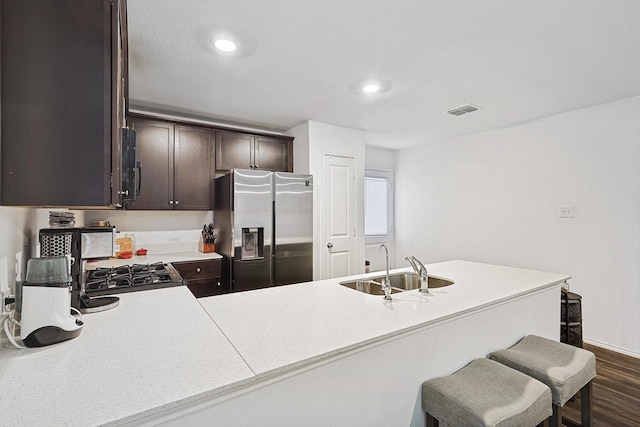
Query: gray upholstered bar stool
{"points": [[486, 393], [564, 368]]}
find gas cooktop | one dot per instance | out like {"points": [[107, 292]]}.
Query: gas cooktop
{"points": [[131, 278]]}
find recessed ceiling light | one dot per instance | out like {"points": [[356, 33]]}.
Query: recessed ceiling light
{"points": [[225, 45], [370, 88]]}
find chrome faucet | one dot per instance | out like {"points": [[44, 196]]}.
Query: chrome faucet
{"points": [[421, 272], [386, 283]]}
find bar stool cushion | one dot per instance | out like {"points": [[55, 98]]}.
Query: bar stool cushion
{"points": [[562, 367], [486, 393]]}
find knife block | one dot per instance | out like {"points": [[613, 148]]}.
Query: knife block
{"points": [[205, 247]]}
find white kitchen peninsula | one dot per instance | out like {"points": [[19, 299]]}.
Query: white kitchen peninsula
{"points": [[308, 354], [329, 355]]}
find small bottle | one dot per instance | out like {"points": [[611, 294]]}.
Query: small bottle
{"points": [[367, 267]]}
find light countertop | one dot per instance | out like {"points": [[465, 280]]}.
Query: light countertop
{"points": [[156, 350], [162, 348], [289, 326]]}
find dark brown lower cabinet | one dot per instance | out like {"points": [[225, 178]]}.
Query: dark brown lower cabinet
{"points": [[202, 277]]}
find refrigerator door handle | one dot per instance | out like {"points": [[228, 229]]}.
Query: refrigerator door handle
{"points": [[249, 261]]}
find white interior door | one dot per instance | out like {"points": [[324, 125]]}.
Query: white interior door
{"points": [[339, 213]]}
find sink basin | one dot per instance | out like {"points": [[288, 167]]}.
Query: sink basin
{"points": [[408, 281], [399, 282], [367, 286]]}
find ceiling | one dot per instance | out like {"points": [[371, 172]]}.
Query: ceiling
{"points": [[304, 60]]}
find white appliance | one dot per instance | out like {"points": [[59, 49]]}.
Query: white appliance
{"points": [[46, 303]]}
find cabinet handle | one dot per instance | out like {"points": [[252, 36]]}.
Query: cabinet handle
{"points": [[139, 167], [170, 202], [256, 166], [198, 270], [177, 202]]}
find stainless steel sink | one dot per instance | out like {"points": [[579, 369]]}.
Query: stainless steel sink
{"points": [[408, 281], [367, 286], [399, 282]]}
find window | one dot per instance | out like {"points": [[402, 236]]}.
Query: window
{"points": [[377, 203]]}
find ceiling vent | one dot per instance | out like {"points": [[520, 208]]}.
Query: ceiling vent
{"points": [[463, 110]]}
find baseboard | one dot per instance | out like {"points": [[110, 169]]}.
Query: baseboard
{"points": [[613, 348]]}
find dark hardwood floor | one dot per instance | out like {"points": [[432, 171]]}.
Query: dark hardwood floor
{"points": [[616, 390]]}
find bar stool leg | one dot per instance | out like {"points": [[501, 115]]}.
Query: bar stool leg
{"points": [[586, 408], [432, 422], [556, 417], [586, 405]]}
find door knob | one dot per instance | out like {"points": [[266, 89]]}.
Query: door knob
{"points": [[329, 245]]}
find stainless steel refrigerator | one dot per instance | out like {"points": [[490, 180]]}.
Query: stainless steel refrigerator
{"points": [[264, 223]]}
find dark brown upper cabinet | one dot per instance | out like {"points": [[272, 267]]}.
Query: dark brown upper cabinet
{"points": [[64, 85], [193, 172], [247, 151], [176, 166]]}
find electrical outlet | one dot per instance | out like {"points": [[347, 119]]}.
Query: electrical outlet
{"points": [[174, 239], [4, 294], [566, 211]]}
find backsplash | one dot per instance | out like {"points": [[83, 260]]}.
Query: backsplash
{"points": [[129, 221], [162, 242], [157, 231]]}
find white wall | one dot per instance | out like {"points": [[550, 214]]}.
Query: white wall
{"points": [[312, 141], [380, 159], [300, 148], [494, 197], [15, 250]]}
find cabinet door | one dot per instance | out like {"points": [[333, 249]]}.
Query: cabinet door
{"points": [[233, 150], [57, 103], [193, 160], [272, 154], [154, 151], [119, 96], [207, 287], [202, 277], [197, 270]]}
